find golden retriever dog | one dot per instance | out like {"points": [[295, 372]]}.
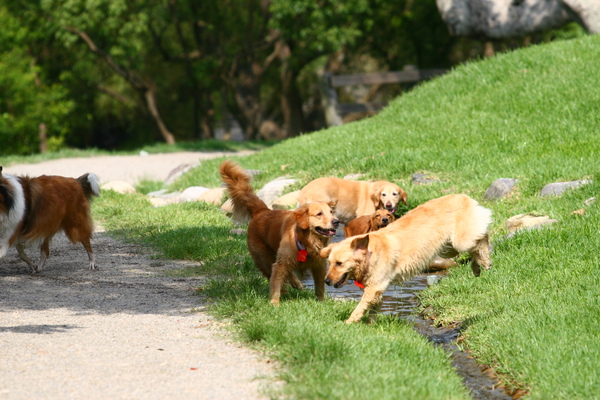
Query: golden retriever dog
{"points": [[381, 219], [354, 198], [281, 242], [369, 223], [442, 227]]}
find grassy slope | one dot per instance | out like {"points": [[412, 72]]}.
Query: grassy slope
{"points": [[532, 115]]}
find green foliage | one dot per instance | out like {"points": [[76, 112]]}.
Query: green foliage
{"points": [[318, 27], [27, 100]]}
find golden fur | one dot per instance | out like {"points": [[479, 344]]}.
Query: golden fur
{"points": [[369, 223], [354, 198], [443, 227], [276, 237]]}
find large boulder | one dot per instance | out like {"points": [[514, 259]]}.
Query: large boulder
{"points": [[499, 19]]}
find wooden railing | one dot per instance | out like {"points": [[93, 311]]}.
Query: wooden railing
{"points": [[334, 111]]}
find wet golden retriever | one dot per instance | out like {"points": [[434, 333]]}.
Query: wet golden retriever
{"points": [[369, 223], [443, 227], [354, 198], [281, 242]]}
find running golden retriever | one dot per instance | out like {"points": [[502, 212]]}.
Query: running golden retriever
{"points": [[281, 242], [354, 198], [443, 227]]}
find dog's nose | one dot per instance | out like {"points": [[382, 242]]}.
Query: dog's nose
{"points": [[328, 281], [384, 220], [335, 223]]}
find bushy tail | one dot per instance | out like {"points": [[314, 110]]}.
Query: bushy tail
{"points": [[245, 203], [89, 184]]}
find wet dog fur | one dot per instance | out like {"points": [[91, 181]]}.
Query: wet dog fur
{"points": [[354, 198], [276, 237], [443, 227]]}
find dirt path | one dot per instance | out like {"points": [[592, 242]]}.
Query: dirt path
{"points": [[130, 169], [127, 331]]}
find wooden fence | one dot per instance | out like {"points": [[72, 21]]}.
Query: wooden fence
{"points": [[335, 112]]}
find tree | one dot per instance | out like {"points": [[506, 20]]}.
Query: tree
{"points": [[30, 105]]}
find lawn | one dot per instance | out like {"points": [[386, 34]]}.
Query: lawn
{"points": [[532, 115]]}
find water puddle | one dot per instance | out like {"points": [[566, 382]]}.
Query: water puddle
{"points": [[399, 300]]}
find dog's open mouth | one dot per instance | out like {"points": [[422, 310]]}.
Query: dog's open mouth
{"points": [[390, 208], [341, 282], [325, 232]]}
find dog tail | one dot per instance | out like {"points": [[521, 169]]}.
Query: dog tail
{"points": [[245, 203], [89, 184]]}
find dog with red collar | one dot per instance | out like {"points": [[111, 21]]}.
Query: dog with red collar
{"points": [[443, 227]]}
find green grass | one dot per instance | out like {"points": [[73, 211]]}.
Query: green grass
{"points": [[531, 115]]}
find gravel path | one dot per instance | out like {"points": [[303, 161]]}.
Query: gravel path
{"points": [[126, 331]]}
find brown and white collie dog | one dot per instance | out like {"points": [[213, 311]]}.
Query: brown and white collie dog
{"points": [[33, 210]]}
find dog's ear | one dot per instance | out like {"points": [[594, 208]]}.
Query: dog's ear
{"points": [[403, 197], [301, 217], [361, 246], [332, 204], [371, 225], [376, 195], [324, 253]]}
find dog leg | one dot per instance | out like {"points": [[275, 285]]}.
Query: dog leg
{"points": [[90, 253], [295, 282], [24, 257], [318, 274], [278, 277], [44, 254], [480, 256], [372, 297]]}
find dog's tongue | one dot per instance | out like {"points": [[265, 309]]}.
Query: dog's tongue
{"points": [[329, 232]]}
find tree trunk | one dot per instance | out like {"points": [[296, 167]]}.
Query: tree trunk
{"points": [[146, 88], [151, 102], [291, 103]]}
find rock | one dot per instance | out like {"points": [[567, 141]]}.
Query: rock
{"points": [[177, 172], [213, 196], [119, 187], [286, 202], [353, 177], [440, 264], [558, 188], [499, 19], [274, 189], [423, 179], [499, 188], [433, 279], [157, 202], [157, 193], [523, 221], [227, 206], [193, 193]]}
